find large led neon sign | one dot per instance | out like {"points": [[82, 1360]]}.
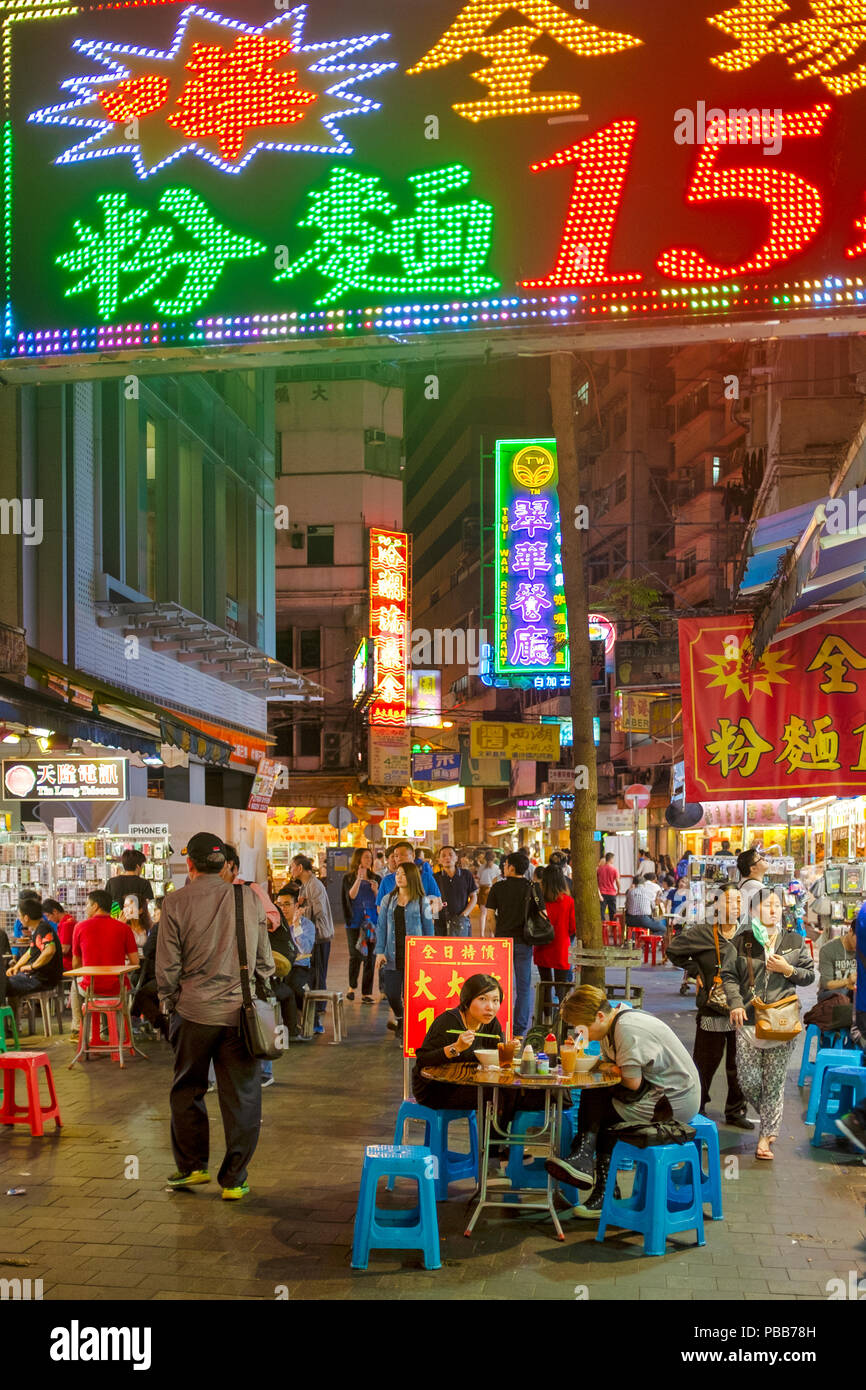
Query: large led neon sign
{"points": [[180, 174]]}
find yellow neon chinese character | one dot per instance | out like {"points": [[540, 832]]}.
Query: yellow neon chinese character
{"points": [[468, 953], [455, 984], [837, 655], [512, 66], [814, 46], [819, 749], [421, 986], [737, 746]]}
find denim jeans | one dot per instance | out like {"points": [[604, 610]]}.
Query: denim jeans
{"points": [[860, 1110], [393, 983], [522, 987], [459, 926]]}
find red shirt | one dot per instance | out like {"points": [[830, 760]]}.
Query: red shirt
{"points": [[555, 953], [607, 877], [103, 941], [65, 928]]}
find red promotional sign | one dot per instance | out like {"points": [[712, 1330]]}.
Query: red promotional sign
{"points": [[792, 722], [437, 967]]}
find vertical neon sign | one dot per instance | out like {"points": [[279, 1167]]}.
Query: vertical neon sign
{"points": [[389, 622], [531, 632]]}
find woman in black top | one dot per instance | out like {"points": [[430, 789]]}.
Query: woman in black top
{"points": [[452, 1038]]}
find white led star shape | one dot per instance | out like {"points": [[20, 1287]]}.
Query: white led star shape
{"points": [[125, 62]]}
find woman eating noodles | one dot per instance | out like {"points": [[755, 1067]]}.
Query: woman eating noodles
{"points": [[454, 1037]]}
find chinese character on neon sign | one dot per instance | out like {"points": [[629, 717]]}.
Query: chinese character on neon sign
{"points": [[389, 615]]}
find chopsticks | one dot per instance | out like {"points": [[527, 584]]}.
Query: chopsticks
{"points": [[497, 1037]]}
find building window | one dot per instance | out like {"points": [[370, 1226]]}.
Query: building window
{"points": [[688, 565], [621, 488], [286, 646], [320, 545], [310, 649], [150, 516], [717, 469], [308, 741]]}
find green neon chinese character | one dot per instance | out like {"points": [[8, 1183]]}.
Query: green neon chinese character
{"points": [[123, 248], [441, 249]]}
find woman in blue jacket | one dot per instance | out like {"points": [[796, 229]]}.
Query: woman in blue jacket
{"points": [[404, 912]]}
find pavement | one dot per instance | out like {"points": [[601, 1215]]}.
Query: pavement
{"points": [[96, 1221]]}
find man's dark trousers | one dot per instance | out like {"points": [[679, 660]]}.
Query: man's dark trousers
{"points": [[319, 958], [239, 1089], [709, 1050]]}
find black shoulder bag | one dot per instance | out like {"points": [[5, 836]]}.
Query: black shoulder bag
{"points": [[647, 1134], [537, 926], [257, 1016]]}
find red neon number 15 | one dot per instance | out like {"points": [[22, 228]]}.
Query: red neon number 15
{"points": [[794, 205]]}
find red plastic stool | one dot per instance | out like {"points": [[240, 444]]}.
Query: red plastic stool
{"points": [[33, 1113], [638, 935], [112, 1006], [651, 942]]}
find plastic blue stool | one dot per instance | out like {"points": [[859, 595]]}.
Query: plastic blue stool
{"points": [[839, 1039], [648, 1209], [827, 1057], [534, 1174], [414, 1229], [451, 1165], [707, 1137], [841, 1089]]}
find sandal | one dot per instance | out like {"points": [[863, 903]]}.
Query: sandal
{"points": [[764, 1151]]}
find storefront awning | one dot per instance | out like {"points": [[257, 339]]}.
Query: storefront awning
{"points": [[20, 705]]}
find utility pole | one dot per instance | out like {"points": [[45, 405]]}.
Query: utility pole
{"points": [[584, 860]]}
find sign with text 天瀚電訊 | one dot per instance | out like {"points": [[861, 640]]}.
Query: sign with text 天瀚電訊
{"points": [[792, 722], [191, 176], [437, 968]]}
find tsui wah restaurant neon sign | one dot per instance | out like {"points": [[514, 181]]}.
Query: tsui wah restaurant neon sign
{"points": [[186, 175], [389, 622]]}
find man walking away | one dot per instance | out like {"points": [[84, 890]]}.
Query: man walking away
{"points": [[608, 886], [458, 893], [507, 902], [314, 901], [198, 977]]}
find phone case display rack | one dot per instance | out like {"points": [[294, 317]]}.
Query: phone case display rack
{"points": [[707, 870], [67, 867], [844, 885]]}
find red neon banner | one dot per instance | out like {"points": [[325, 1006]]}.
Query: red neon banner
{"points": [[792, 722], [437, 967], [389, 619]]}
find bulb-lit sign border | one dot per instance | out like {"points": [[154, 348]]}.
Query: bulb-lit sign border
{"points": [[390, 609], [181, 175]]}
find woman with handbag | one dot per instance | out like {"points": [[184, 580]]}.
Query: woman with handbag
{"points": [[552, 957], [405, 912], [759, 978], [360, 886], [704, 946]]}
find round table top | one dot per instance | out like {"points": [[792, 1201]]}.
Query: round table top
{"points": [[98, 970], [467, 1074]]}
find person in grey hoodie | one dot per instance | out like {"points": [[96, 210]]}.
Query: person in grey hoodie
{"points": [[715, 1035], [780, 962]]}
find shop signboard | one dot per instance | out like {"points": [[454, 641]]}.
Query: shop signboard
{"points": [[390, 762], [65, 779], [360, 670], [641, 662], [435, 767], [437, 968], [665, 718], [187, 177], [631, 712], [390, 583], [264, 783], [791, 722], [482, 772], [614, 821], [426, 698], [531, 635], [730, 813], [533, 742], [140, 831]]}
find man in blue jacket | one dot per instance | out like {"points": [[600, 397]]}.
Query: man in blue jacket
{"points": [[404, 853], [853, 1125]]}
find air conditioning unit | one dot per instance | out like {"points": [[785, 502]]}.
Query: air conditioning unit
{"points": [[374, 436], [296, 538]]}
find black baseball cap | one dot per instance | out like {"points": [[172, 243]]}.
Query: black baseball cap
{"points": [[204, 848]]}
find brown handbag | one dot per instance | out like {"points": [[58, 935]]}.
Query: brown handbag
{"points": [[717, 1000], [779, 1022]]}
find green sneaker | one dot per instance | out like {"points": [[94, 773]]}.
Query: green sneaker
{"points": [[189, 1179], [234, 1194]]}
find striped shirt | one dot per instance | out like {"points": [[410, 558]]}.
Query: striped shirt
{"points": [[640, 898]]}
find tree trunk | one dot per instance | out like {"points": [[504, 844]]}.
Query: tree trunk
{"points": [[584, 860]]}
